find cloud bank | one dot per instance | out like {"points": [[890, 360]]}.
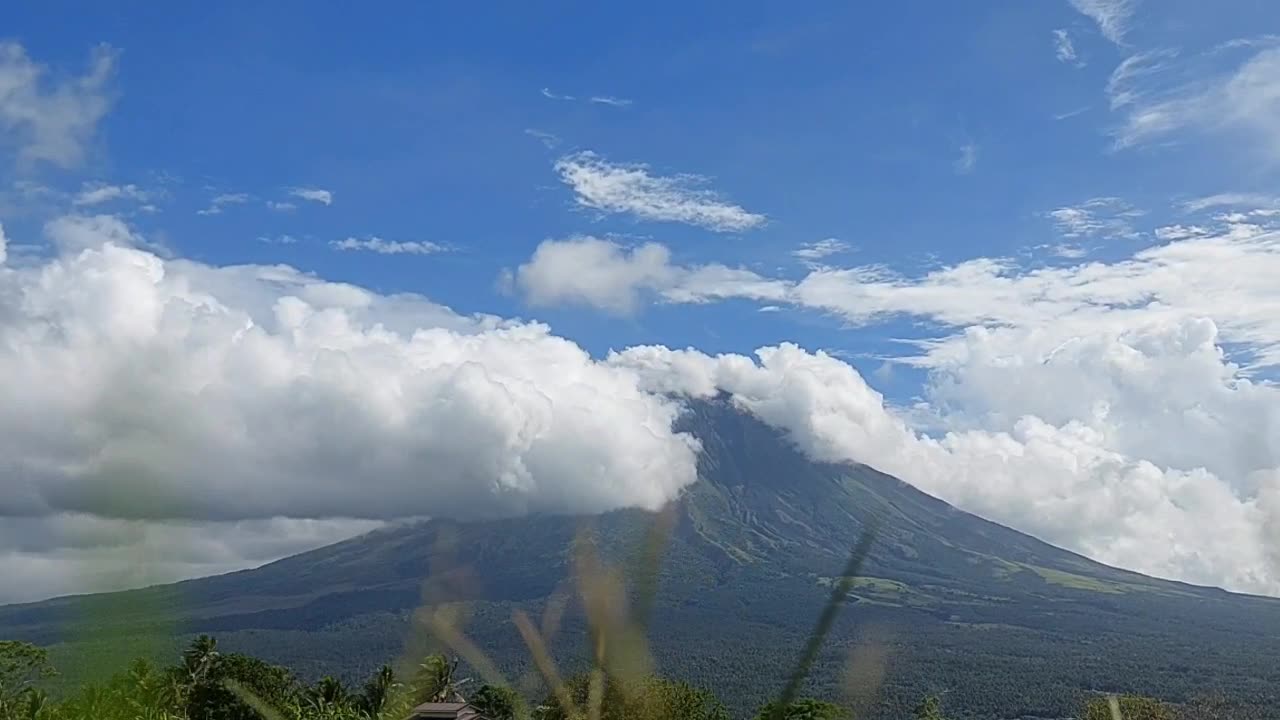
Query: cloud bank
{"points": [[144, 390], [1086, 451], [1094, 405], [227, 415]]}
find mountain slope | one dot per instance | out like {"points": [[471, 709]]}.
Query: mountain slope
{"points": [[1006, 625]]}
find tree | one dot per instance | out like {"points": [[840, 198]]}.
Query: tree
{"points": [[1132, 707], [929, 709], [649, 698], [496, 702], [21, 666], [330, 691], [216, 683], [1216, 706], [377, 691], [803, 709], [678, 699], [435, 681], [34, 704], [200, 658]]}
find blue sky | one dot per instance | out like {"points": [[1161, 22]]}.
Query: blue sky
{"points": [[1020, 222]]}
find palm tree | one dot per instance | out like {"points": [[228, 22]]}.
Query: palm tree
{"points": [[377, 691], [330, 691], [36, 705], [199, 659], [435, 682]]}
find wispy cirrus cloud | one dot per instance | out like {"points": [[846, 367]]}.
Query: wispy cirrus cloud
{"points": [[815, 251], [610, 100], [1180, 232], [967, 158], [1069, 251], [1064, 49], [1112, 16], [380, 246], [548, 140], [99, 193], [1100, 217], [1232, 200], [221, 201], [285, 239], [632, 189], [1071, 113], [1227, 92], [546, 93]]}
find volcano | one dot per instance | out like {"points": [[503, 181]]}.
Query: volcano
{"points": [[997, 622]]}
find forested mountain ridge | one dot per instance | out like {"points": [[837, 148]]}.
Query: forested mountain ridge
{"points": [[1003, 624]]}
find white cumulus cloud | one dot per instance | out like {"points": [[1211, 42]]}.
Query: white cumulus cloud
{"points": [[1112, 16], [1095, 405], [71, 553], [318, 195], [602, 273], [221, 395], [1086, 450], [52, 122]]}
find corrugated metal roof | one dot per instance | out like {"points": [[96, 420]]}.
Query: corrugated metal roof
{"points": [[445, 711]]}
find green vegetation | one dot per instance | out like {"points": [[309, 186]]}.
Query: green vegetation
{"points": [[648, 698], [1127, 707], [929, 709], [21, 666], [1078, 582], [207, 684], [803, 709]]}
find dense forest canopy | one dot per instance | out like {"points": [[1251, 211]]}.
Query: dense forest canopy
{"points": [[208, 684]]}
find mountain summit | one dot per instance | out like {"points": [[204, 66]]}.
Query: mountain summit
{"points": [[1006, 625]]}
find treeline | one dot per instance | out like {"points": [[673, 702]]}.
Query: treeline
{"points": [[207, 684]]}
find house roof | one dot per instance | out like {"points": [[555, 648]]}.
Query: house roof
{"points": [[446, 711]]}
